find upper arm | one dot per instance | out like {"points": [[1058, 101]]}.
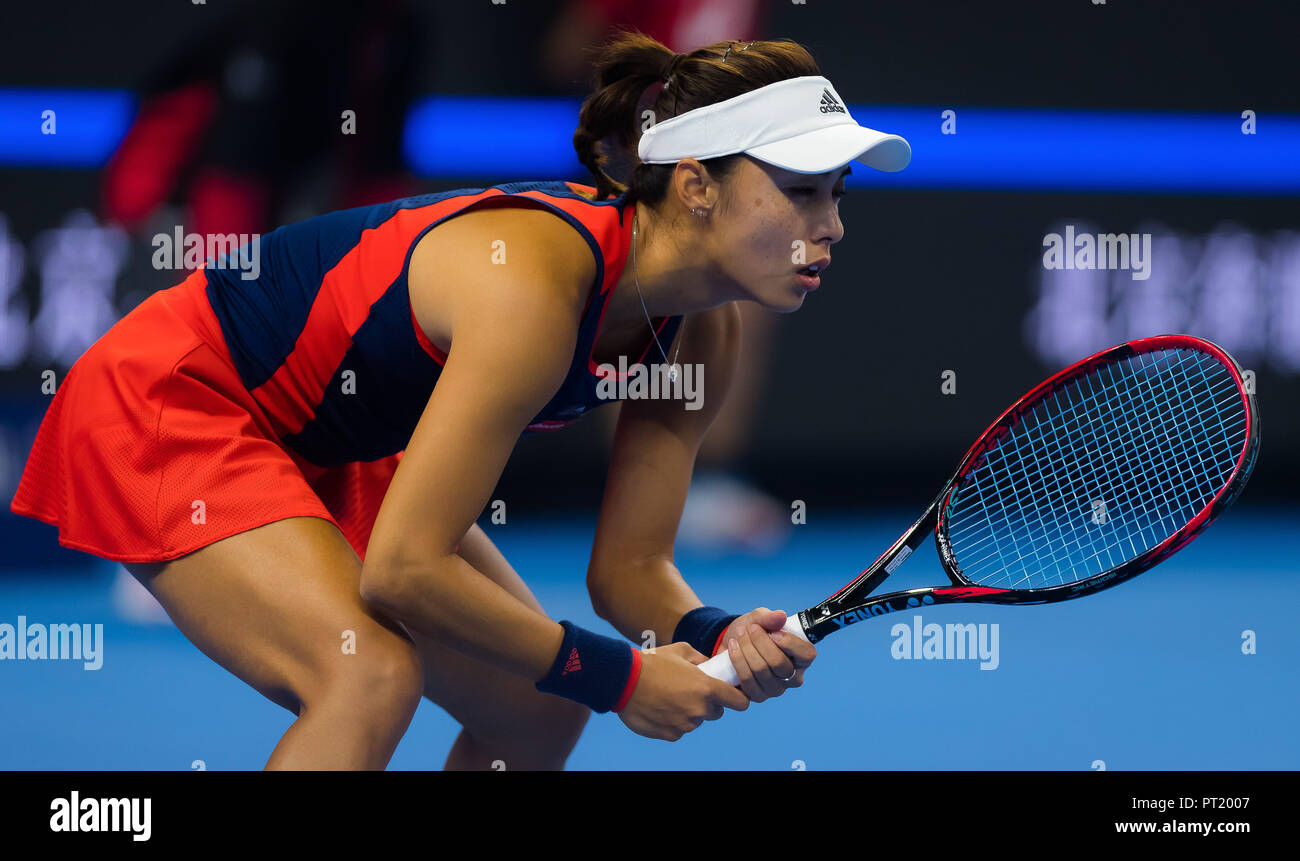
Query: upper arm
{"points": [[513, 330], [655, 447]]}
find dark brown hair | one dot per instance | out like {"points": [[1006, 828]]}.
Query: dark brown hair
{"points": [[609, 125]]}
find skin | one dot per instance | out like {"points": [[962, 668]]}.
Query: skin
{"points": [[510, 342], [432, 599]]}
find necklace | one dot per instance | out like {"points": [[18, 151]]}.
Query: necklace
{"points": [[672, 366]]}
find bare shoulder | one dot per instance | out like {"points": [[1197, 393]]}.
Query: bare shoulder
{"points": [[518, 254]]}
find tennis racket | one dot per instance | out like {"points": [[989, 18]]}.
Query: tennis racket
{"points": [[1099, 473]]}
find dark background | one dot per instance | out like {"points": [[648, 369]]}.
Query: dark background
{"points": [[925, 281]]}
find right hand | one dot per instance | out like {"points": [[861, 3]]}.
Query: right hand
{"points": [[672, 697]]}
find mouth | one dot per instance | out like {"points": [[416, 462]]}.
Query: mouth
{"points": [[809, 276]]}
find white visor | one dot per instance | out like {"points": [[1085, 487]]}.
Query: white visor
{"points": [[800, 124]]}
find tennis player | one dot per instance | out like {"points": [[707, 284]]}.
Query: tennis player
{"points": [[293, 463]]}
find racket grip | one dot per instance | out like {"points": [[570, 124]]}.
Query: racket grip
{"points": [[719, 666]]}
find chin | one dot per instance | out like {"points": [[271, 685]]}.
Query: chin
{"points": [[789, 303], [780, 301]]}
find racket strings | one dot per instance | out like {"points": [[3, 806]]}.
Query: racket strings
{"points": [[1071, 541], [1169, 447], [1093, 454], [1180, 461], [1103, 469]]}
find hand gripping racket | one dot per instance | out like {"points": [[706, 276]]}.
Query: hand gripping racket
{"points": [[1099, 473]]}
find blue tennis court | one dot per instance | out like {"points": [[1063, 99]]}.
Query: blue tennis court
{"points": [[1149, 675]]}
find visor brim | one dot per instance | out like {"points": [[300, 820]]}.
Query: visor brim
{"points": [[826, 149]]}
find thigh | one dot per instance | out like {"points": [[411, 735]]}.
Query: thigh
{"points": [[498, 708], [272, 606]]}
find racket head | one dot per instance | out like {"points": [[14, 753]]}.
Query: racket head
{"points": [[1100, 472]]}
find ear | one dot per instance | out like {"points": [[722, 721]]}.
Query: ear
{"points": [[693, 185]]}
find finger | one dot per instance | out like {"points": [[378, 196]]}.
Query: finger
{"points": [[744, 672], [800, 652], [780, 666], [762, 685], [696, 658], [730, 697], [739, 625], [690, 653], [662, 732], [772, 620], [745, 682]]}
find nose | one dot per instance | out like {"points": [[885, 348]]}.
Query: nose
{"points": [[833, 230]]}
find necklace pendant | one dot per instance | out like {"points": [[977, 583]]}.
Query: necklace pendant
{"points": [[672, 373]]}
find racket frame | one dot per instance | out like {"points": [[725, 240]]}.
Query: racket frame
{"points": [[851, 604]]}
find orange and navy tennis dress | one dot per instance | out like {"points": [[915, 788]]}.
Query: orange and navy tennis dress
{"points": [[225, 402]]}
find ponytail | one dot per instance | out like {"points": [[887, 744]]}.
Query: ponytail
{"points": [[625, 69]]}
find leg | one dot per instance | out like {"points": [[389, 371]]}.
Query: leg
{"points": [[503, 716], [272, 606]]}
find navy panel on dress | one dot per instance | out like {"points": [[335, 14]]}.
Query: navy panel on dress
{"points": [[392, 379]]}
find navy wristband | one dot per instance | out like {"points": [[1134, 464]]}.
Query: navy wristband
{"points": [[702, 627], [589, 668]]}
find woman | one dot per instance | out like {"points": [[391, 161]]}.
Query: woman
{"points": [[293, 463]]}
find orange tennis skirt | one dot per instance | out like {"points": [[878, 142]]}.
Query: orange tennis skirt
{"points": [[152, 448]]}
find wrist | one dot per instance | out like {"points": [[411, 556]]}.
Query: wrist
{"points": [[632, 679], [599, 672], [703, 628]]}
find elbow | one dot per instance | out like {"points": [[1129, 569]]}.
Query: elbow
{"points": [[599, 596], [383, 584], [603, 610]]}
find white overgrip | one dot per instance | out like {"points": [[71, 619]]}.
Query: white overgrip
{"points": [[719, 666]]}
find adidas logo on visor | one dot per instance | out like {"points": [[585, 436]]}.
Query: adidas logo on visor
{"points": [[830, 104]]}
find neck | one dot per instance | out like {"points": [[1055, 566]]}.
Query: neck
{"points": [[660, 262]]}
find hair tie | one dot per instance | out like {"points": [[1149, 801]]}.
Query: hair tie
{"points": [[671, 69]]}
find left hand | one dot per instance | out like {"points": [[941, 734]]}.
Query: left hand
{"points": [[767, 659]]}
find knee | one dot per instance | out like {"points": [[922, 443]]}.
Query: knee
{"points": [[396, 674], [382, 678]]}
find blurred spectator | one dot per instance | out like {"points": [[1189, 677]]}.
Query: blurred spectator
{"points": [[245, 126]]}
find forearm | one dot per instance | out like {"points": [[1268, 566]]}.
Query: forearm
{"points": [[453, 603], [645, 595]]}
